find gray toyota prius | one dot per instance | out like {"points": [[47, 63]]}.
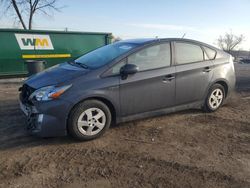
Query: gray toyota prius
{"points": [[124, 81]]}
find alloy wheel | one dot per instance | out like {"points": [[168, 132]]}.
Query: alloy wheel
{"points": [[216, 98], [91, 121]]}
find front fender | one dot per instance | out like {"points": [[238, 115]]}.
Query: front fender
{"points": [[110, 94]]}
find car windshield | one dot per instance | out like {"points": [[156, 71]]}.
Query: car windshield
{"points": [[104, 55]]}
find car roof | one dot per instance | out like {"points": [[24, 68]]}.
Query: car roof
{"points": [[143, 41], [139, 41]]}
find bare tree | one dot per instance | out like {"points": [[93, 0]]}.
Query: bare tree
{"points": [[229, 41], [26, 9]]}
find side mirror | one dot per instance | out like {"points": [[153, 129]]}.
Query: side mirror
{"points": [[129, 69]]}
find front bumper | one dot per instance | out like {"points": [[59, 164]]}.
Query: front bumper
{"points": [[47, 119]]}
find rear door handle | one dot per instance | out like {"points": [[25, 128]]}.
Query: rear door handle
{"points": [[207, 69], [168, 78]]}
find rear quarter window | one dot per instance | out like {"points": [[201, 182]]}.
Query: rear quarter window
{"points": [[221, 54]]}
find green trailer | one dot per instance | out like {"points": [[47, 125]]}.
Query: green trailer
{"points": [[18, 46]]}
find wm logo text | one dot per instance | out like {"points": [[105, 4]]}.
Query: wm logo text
{"points": [[34, 42]]}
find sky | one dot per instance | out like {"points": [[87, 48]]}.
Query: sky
{"points": [[203, 20]]}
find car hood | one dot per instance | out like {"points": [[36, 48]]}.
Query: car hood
{"points": [[55, 75]]}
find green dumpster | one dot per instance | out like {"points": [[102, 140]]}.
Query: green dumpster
{"points": [[19, 46]]}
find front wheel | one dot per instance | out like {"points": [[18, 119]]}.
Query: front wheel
{"points": [[214, 98], [89, 120]]}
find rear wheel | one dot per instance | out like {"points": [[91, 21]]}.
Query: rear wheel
{"points": [[214, 98], [89, 120]]}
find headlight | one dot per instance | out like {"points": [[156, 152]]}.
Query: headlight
{"points": [[48, 93]]}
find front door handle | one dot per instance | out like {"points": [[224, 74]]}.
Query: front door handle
{"points": [[207, 69], [168, 78]]}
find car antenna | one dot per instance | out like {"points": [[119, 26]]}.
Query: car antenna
{"points": [[183, 35]]}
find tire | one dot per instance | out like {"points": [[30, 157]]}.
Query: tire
{"points": [[89, 120], [215, 98]]}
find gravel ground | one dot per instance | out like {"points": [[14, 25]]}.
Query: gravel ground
{"points": [[184, 149]]}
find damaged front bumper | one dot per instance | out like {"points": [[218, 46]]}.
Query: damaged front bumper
{"points": [[46, 119], [41, 124]]}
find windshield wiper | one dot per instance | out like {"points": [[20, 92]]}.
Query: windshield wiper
{"points": [[79, 64], [82, 65], [71, 62]]}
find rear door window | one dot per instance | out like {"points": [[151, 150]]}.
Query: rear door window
{"points": [[187, 53], [210, 53]]}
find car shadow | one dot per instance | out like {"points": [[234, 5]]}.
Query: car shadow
{"points": [[13, 133]]}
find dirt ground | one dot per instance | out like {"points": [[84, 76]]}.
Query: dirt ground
{"points": [[185, 149]]}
